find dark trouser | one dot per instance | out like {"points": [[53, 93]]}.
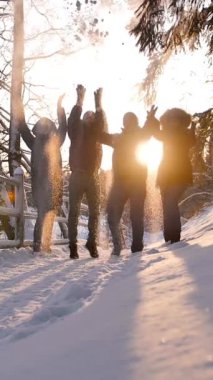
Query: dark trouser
{"points": [[43, 228], [83, 183], [120, 193], [171, 216]]}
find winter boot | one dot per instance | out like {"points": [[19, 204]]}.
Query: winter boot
{"points": [[36, 247], [116, 252], [175, 237], [116, 249], [92, 248], [73, 252], [175, 240], [136, 247]]}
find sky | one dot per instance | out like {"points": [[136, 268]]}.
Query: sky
{"points": [[143, 316], [106, 64], [112, 62]]}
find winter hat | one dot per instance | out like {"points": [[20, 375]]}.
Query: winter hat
{"points": [[89, 117], [44, 126], [175, 117], [130, 121]]}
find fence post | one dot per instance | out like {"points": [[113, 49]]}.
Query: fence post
{"points": [[19, 204]]}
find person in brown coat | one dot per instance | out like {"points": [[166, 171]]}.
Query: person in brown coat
{"points": [[175, 170]]}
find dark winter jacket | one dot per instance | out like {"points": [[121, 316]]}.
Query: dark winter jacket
{"points": [[125, 164], [46, 162], [175, 167], [85, 150]]}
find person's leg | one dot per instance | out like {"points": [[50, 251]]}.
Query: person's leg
{"points": [[93, 200], [76, 191], [116, 201], [137, 200], [47, 230], [37, 234], [171, 214]]}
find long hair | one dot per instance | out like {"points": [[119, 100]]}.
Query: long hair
{"points": [[175, 117]]}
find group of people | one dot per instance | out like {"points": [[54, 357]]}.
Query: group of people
{"points": [[87, 134]]}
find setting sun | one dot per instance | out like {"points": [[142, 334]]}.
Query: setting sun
{"points": [[150, 153]]}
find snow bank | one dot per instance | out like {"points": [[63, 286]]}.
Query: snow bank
{"points": [[139, 316]]}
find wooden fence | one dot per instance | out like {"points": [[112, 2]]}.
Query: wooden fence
{"points": [[20, 215]]}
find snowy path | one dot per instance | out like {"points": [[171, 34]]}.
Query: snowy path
{"points": [[37, 290], [146, 316]]}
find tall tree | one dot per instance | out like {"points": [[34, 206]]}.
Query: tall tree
{"points": [[162, 25], [163, 28], [16, 86]]}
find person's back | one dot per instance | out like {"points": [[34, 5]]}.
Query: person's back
{"points": [[46, 172], [85, 160], [85, 151], [175, 167], [129, 181], [46, 165], [175, 170], [125, 164]]}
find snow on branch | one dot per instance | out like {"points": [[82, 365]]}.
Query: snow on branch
{"points": [[194, 195]]}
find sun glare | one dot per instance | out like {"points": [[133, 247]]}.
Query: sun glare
{"points": [[150, 153]]}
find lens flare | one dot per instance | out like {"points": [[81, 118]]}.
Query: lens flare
{"points": [[150, 154]]}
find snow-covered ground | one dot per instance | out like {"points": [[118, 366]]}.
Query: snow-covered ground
{"points": [[145, 316]]}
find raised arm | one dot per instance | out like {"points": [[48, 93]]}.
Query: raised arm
{"points": [[152, 125], [25, 132], [109, 139], [62, 129], [102, 134], [101, 124], [75, 115]]}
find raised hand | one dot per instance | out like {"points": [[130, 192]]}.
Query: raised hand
{"points": [[151, 120], [98, 98], [151, 113], [60, 99], [80, 94]]}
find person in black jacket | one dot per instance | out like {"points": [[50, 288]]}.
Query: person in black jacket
{"points": [[175, 170], [85, 160], [44, 142], [129, 180]]}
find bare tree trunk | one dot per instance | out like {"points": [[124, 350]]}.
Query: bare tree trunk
{"points": [[211, 151], [16, 86]]}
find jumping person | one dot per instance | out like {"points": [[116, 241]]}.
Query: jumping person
{"points": [[175, 170], [44, 142], [129, 180], [85, 160]]}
